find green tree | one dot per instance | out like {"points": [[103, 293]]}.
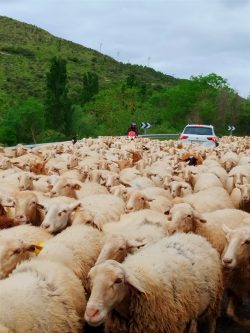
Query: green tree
{"points": [[50, 135], [22, 122], [131, 80], [58, 115], [212, 80], [90, 86]]}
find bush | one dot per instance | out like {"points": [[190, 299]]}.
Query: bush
{"points": [[51, 136]]}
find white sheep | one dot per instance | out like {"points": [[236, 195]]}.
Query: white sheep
{"points": [[136, 201], [184, 218], [76, 189], [42, 297], [229, 160], [17, 244], [148, 289], [208, 200], [205, 180], [77, 247], [99, 209], [236, 262]]}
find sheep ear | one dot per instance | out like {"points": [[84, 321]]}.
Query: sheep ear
{"points": [[40, 206], [135, 244], [30, 247], [178, 200], [76, 186], [133, 281], [75, 205], [226, 229], [198, 217], [8, 202], [50, 186], [125, 183]]}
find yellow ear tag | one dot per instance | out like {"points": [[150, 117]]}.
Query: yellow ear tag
{"points": [[38, 248]]}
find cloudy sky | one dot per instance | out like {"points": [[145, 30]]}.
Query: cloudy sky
{"points": [[177, 37]]}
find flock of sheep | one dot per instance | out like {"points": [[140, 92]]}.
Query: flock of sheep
{"points": [[142, 235]]}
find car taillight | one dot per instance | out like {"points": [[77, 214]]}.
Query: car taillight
{"points": [[212, 138], [183, 137]]}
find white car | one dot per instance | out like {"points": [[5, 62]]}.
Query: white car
{"points": [[201, 134]]}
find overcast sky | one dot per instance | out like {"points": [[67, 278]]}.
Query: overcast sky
{"points": [[177, 37]]}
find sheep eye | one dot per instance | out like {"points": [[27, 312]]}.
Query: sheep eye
{"points": [[166, 212], [121, 249], [17, 251], [60, 213], [118, 281], [64, 211], [189, 215], [247, 241]]}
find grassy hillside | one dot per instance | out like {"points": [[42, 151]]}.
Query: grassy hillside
{"points": [[125, 92], [26, 51]]}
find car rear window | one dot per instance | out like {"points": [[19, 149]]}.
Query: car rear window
{"points": [[198, 130]]}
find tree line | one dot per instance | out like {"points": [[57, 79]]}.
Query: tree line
{"points": [[108, 111]]}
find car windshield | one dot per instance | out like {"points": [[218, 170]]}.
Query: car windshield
{"points": [[198, 130]]}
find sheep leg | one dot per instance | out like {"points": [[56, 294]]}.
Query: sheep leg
{"points": [[233, 302], [193, 327], [212, 326]]}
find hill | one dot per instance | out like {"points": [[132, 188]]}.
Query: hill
{"points": [[124, 92], [26, 52]]}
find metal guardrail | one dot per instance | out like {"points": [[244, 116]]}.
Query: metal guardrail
{"points": [[159, 136], [150, 136]]}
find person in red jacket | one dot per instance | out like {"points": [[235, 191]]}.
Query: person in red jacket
{"points": [[133, 128]]}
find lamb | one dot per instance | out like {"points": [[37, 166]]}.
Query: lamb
{"points": [[94, 209], [148, 289], [237, 176], [42, 297], [42, 183], [229, 160], [178, 188], [236, 262], [75, 189], [141, 216], [99, 209], [17, 244], [118, 247], [77, 247], [205, 180], [26, 208], [208, 200], [241, 197], [183, 217], [139, 183], [151, 192], [139, 230], [58, 215], [136, 201]]}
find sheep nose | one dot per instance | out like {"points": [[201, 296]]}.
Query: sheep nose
{"points": [[92, 312], [227, 261], [44, 226], [19, 217], [53, 193]]}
